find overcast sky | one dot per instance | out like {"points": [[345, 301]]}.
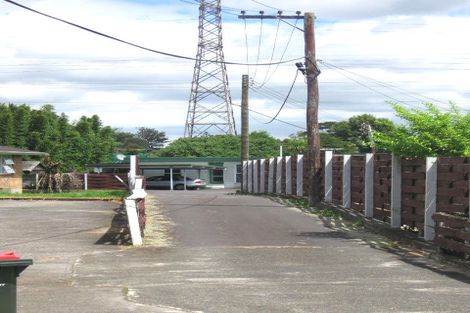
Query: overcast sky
{"points": [[372, 52]]}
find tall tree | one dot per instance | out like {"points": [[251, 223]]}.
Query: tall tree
{"points": [[261, 145], [71, 146], [358, 130], [297, 144], [6, 126], [153, 138], [129, 143], [22, 117]]}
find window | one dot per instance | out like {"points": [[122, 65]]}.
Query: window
{"points": [[238, 174], [6, 164], [217, 176]]}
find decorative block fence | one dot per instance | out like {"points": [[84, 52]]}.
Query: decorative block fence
{"points": [[429, 195]]}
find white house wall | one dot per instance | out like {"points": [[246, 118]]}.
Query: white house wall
{"points": [[230, 175]]}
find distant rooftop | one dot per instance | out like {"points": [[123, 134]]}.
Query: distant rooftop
{"points": [[18, 151]]}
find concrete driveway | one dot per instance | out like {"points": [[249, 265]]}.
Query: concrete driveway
{"points": [[214, 251]]}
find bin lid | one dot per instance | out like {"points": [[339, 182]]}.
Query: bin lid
{"points": [[9, 255]]}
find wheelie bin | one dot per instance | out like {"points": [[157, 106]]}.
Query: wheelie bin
{"points": [[11, 267]]}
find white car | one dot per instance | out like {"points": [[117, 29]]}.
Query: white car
{"points": [[163, 182]]}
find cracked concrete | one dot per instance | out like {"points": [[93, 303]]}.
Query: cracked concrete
{"points": [[212, 251]]}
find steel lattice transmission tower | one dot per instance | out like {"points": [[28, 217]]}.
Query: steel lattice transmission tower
{"points": [[210, 105]]}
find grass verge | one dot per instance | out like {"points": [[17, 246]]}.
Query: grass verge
{"points": [[109, 195]]}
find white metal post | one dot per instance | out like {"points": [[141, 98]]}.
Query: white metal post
{"points": [[171, 178], [430, 198], [250, 176], [271, 176], [132, 172], [262, 175], [347, 181], [255, 176], [300, 175], [288, 175], [133, 220], [369, 186], [279, 175], [85, 181], [396, 192], [329, 176], [245, 176]]}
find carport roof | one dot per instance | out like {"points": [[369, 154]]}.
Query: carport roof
{"points": [[159, 165], [172, 162]]}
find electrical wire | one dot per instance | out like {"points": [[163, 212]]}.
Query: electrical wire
{"points": [[368, 87], [278, 120], [247, 50], [136, 45], [386, 85], [265, 5], [285, 100], [259, 47], [265, 80], [293, 26], [360, 83], [282, 56]]}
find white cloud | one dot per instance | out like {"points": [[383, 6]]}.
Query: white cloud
{"points": [[405, 51]]}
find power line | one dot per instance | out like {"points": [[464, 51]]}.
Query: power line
{"points": [[247, 51], [282, 56], [293, 26], [260, 37], [267, 6], [265, 80], [386, 85], [361, 83], [285, 100], [265, 115], [136, 45]]}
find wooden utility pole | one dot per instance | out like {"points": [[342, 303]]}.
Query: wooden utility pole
{"points": [[311, 72], [313, 133], [245, 149]]}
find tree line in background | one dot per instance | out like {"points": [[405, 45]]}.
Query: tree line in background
{"points": [[74, 145], [421, 132]]}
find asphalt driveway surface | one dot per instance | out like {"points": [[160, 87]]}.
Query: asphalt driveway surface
{"points": [[214, 251]]}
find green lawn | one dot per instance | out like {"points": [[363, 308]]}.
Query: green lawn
{"points": [[85, 194]]}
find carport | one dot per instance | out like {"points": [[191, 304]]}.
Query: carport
{"points": [[144, 167], [180, 167]]}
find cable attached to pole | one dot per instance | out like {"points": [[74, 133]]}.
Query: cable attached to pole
{"points": [[285, 100]]}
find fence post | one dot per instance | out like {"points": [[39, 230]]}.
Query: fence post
{"points": [[262, 175], [132, 172], [85, 181], [329, 176], [279, 175], [300, 175], [369, 186], [133, 220], [250, 176], [271, 176], [255, 176], [430, 198], [395, 206], [288, 175], [245, 176], [347, 181]]}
